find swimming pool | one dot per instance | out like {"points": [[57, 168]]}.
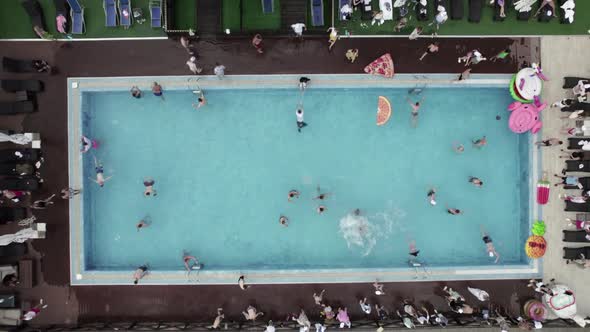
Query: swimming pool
{"points": [[223, 173]]}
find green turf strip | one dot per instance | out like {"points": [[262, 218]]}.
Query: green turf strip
{"points": [[185, 12], [253, 19], [230, 15]]}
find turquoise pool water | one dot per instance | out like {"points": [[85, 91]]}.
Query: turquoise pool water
{"points": [[223, 173]]}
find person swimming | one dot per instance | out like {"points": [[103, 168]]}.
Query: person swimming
{"points": [[321, 209], [187, 259], [303, 81], [321, 196], [480, 142], [99, 169], [149, 187], [458, 147], [415, 108], [454, 211], [432, 196], [476, 181], [491, 250], [284, 221], [88, 144], [293, 194]]}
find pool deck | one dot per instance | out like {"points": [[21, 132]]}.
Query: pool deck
{"points": [[69, 305], [556, 65]]}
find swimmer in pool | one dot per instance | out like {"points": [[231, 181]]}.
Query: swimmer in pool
{"points": [[201, 99], [413, 250], [458, 147], [321, 196], [157, 90], [480, 142], [431, 196], [149, 187], [284, 221], [415, 108], [293, 194], [490, 246], [143, 223], [476, 181], [454, 211], [186, 259], [321, 209], [87, 144], [99, 169]]}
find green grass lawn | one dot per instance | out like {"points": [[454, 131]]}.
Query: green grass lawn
{"points": [[230, 15], [15, 23], [253, 19], [510, 26], [185, 12]]}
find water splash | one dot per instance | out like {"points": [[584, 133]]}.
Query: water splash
{"points": [[362, 231]]}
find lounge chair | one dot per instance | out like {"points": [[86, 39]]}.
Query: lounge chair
{"points": [[110, 13], [576, 143], [343, 3], [77, 15], [582, 166], [317, 12], [13, 250], [366, 10], [22, 169], [577, 207], [507, 5], [386, 6], [35, 12], [546, 14], [584, 181], [19, 155], [61, 14], [524, 16], [443, 3], [475, 9], [22, 85], [16, 107], [267, 6], [156, 13], [17, 66], [27, 184], [570, 81], [575, 236], [422, 10], [577, 106], [566, 11], [125, 7], [6, 271], [8, 214], [457, 9], [576, 253]]}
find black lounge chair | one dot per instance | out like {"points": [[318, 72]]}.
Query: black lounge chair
{"points": [[581, 155], [573, 142], [576, 253], [24, 66], [475, 9], [497, 9], [575, 236], [577, 106], [577, 166], [22, 85], [570, 82], [27, 184], [35, 12], [422, 11], [523, 16], [584, 181], [8, 214], [545, 14], [562, 18], [13, 250], [16, 107], [366, 10], [577, 207], [19, 155], [457, 9], [443, 3], [21, 169]]}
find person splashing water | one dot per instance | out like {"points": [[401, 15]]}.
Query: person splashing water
{"points": [[358, 231]]}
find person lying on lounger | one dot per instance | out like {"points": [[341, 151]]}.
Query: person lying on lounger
{"points": [[543, 4]]}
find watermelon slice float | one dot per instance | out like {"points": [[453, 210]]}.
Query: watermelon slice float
{"points": [[383, 110]]}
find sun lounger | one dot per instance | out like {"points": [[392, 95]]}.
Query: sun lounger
{"points": [[267, 6], [125, 7], [570, 82], [13, 250], [156, 13], [524, 16], [110, 13], [19, 155], [577, 106], [61, 14], [546, 14], [576, 253], [443, 3], [575, 236], [577, 207], [573, 142], [35, 12], [17, 66], [9, 214], [6, 271], [10, 317], [27, 184], [475, 9], [317, 12], [566, 16], [386, 6], [577, 166], [341, 4], [497, 10], [584, 181], [16, 107], [8, 300], [77, 15], [422, 10], [23, 169], [457, 9], [22, 85], [366, 10]]}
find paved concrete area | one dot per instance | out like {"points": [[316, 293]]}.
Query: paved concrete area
{"points": [[561, 56]]}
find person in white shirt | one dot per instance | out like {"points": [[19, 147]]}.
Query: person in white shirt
{"points": [[298, 29], [219, 70], [300, 122], [192, 65]]}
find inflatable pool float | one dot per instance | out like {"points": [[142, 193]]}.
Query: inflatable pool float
{"points": [[526, 85], [543, 187], [525, 117], [536, 245], [535, 310], [383, 66], [563, 304], [383, 110]]}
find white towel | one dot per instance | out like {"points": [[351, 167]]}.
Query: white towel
{"points": [[387, 8]]}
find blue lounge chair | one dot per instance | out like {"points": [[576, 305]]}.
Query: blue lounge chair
{"points": [[110, 13], [77, 15], [267, 6], [342, 3], [156, 13], [317, 12], [125, 7]]}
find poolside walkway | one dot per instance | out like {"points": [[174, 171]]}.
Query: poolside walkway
{"points": [[68, 305], [561, 56]]}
